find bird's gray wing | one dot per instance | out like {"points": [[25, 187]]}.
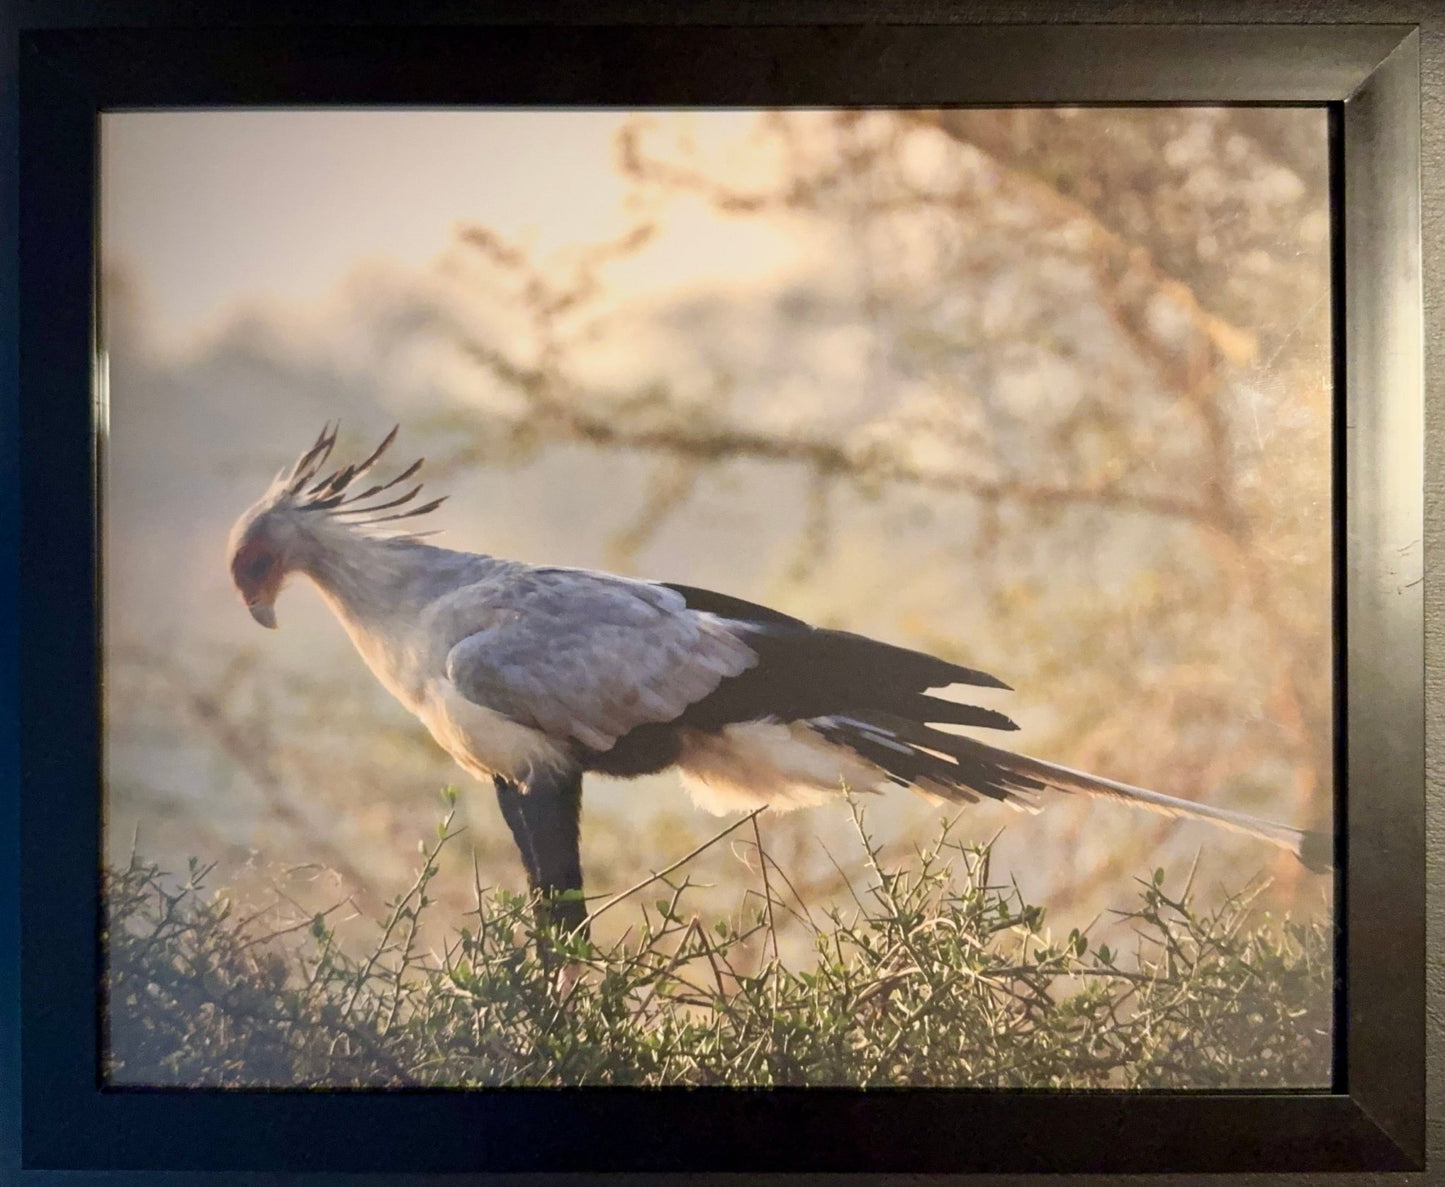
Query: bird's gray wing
{"points": [[589, 656]]}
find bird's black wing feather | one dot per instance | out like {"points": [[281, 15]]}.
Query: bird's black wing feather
{"points": [[805, 671], [726, 606]]}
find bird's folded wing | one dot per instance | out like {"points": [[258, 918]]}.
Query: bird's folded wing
{"points": [[588, 656]]}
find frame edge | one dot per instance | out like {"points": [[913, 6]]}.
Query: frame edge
{"points": [[1383, 906]]}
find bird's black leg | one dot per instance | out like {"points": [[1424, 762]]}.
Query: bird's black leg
{"points": [[544, 816]]}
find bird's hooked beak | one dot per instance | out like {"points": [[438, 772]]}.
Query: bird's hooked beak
{"points": [[257, 565], [264, 613]]}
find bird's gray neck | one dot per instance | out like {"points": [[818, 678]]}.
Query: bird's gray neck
{"points": [[370, 581]]}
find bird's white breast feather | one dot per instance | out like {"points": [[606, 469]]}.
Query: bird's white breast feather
{"points": [[483, 741]]}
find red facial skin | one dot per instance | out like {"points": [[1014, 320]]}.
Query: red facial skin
{"points": [[257, 572]]}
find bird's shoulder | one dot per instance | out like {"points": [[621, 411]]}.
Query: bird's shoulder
{"points": [[586, 655], [550, 598]]}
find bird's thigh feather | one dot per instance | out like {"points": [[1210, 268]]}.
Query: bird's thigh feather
{"points": [[780, 764]]}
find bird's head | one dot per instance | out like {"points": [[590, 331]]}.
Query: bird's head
{"points": [[267, 545], [286, 528]]}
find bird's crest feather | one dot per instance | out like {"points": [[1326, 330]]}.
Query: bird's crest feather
{"points": [[303, 487]]}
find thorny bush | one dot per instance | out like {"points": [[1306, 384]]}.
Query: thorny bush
{"points": [[934, 976]]}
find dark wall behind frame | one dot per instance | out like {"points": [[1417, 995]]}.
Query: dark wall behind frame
{"points": [[725, 65]]}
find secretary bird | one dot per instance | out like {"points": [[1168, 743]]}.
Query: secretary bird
{"points": [[532, 676]]}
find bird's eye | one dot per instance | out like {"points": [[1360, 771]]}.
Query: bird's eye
{"points": [[257, 568]]}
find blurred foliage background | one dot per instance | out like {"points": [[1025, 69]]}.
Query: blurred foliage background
{"points": [[1043, 391]]}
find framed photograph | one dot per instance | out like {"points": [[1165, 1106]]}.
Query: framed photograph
{"points": [[719, 597]]}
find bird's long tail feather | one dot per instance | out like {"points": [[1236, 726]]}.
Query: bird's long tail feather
{"points": [[956, 767], [1314, 849]]}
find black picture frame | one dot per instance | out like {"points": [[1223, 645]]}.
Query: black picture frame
{"points": [[76, 60]]}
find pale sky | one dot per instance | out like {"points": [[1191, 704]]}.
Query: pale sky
{"points": [[210, 208]]}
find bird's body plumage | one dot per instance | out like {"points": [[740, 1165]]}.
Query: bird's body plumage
{"points": [[531, 676]]}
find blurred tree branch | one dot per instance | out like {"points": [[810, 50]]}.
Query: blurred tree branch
{"points": [[1198, 229], [1141, 190]]}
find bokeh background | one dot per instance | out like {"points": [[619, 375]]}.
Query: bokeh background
{"points": [[1043, 391]]}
